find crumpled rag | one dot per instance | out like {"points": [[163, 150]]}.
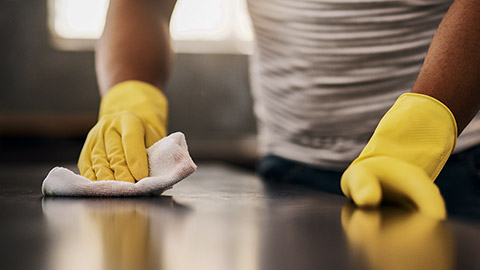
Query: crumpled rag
{"points": [[169, 163]]}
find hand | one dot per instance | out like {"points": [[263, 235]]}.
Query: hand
{"points": [[377, 179], [115, 148], [407, 151], [132, 118]]}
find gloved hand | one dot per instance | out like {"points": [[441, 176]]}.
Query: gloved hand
{"points": [[406, 153], [132, 117]]}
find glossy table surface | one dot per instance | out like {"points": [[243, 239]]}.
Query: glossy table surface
{"points": [[221, 217]]}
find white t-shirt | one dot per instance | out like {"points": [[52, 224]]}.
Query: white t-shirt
{"points": [[324, 72]]}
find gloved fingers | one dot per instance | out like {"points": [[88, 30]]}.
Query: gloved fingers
{"points": [[100, 163], [432, 204], [86, 169], [133, 141], [84, 163], [116, 156], [151, 136], [406, 184], [361, 185]]}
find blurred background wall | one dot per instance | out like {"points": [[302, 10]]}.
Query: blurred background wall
{"points": [[49, 98]]}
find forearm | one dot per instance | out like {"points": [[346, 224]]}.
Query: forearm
{"points": [[451, 71], [135, 44]]}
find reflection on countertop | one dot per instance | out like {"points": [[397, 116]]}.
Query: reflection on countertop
{"points": [[105, 233], [221, 217], [153, 232], [393, 238]]}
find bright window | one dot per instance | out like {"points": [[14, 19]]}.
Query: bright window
{"points": [[206, 26]]}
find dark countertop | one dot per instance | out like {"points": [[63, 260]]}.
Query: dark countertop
{"points": [[221, 217]]}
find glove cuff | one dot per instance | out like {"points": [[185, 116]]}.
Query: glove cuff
{"points": [[418, 129], [144, 99]]}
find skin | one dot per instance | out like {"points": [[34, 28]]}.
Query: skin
{"points": [[451, 70], [135, 43]]}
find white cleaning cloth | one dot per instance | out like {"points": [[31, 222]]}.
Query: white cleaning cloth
{"points": [[169, 162]]}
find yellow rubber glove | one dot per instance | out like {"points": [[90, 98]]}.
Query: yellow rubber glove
{"points": [[133, 116], [406, 153]]}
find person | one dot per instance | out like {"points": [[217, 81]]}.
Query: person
{"points": [[325, 76]]}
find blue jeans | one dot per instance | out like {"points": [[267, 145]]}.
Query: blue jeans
{"points": [[459, 181]]}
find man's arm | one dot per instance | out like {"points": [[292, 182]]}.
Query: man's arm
{"points": [[133, 59], [135, 44], [451, 71], [414, 139]]}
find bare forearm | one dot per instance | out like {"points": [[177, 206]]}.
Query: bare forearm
{"points": [[451, 71], [135, 44]]}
